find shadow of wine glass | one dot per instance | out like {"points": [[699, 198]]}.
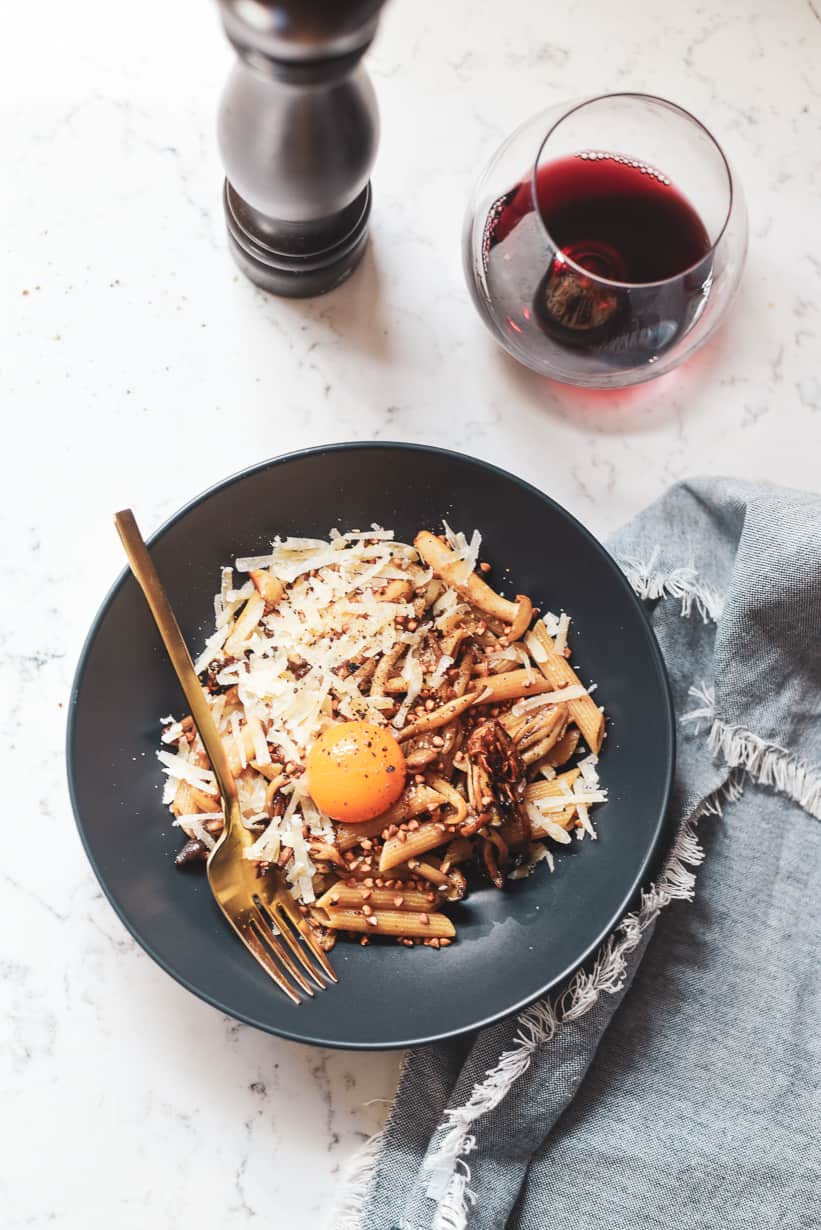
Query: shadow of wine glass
{"points": [[353, 314], [629, 411]]}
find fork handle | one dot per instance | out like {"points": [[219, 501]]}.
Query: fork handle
{"points": [[146, 574]]}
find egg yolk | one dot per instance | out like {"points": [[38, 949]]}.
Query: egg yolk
{"points": [[355, 771]]}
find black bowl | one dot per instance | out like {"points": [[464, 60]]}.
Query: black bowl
{"points": [[512, 946]]}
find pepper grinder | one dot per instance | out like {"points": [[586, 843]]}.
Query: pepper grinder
{"points": [[298, 128]]}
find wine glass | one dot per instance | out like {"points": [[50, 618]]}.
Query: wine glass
{"points": [[605, 240]]}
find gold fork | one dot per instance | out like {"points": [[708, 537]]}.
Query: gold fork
{"points": [[259, 908]]}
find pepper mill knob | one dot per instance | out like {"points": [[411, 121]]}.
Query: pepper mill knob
{"points": [[298, 129]]}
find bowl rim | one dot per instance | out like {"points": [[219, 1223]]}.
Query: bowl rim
{"points": [[649, 860]]}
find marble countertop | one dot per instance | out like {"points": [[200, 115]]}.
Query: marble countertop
{"points": [[138, 367]]}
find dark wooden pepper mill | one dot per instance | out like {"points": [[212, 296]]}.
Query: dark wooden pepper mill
{"points": [[298, 130]]}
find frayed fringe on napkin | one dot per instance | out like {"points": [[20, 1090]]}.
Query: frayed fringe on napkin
{"points": [[747, 755]]}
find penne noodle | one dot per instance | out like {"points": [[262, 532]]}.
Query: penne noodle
{"points": [[511, 686], [413, 802], [453, 883], [346, 898], [559, 673], [557, 786], [393, 922], [537, 751], [561, 752], [521, 623], [459, 851], [426, 837]]}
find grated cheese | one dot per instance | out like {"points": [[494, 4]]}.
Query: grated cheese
{"points": [[468, 552], [185, 771], [560, 642], [573, 692]]}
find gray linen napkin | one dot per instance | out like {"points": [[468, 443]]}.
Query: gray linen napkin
{"points": [[675, 1081]]}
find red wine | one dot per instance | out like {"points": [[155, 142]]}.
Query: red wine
{"points": [[614, 218]]}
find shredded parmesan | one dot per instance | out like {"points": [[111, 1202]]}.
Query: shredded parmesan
{"points": [[184, 771], [560, 642], [574, 692], [468, 552]]}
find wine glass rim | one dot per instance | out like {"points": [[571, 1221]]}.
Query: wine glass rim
{"points": [[656, 98]]}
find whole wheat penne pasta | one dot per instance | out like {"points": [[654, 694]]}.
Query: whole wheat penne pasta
{"points": [[446, 564], [459, 850], [267, 586], [414, 801], [360, 871], [531, 728], [429, 871], [438, 717], [350, 835], [393, 922], [250, 616], [521, 623], [558, 671], [343, 897], [512, 685], [561, 752], [426, 837], [451, 642], [451, 882], [536, 751]]}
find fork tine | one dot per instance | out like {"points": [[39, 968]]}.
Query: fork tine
{"points": [[258, 950], [286, 903], [271, 941], [287, 935]]}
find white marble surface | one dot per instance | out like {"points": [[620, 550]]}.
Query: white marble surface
{"points": [[138, 367]]}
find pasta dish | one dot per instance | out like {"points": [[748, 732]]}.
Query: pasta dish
{"points": [[393, 723]]}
